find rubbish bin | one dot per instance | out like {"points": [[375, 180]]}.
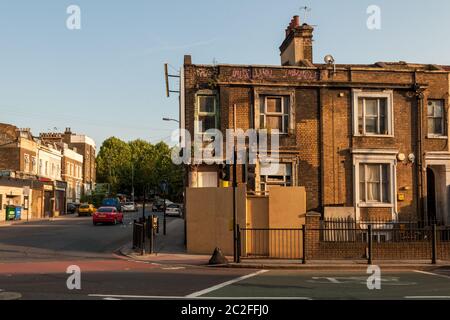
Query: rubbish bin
{"points": [[10, 213], [18, 213]]}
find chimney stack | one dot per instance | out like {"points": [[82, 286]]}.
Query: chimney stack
{"points": [[297, 46]]}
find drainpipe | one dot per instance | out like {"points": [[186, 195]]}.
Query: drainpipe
{"points": [[419, 168]]}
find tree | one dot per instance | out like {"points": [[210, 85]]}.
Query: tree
{"points": [[119, 162], [113, 161]]}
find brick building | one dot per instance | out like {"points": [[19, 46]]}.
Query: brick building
{"points": [[18, 150], [81, 144], [370, 140], [72, 173], [30, 174]]}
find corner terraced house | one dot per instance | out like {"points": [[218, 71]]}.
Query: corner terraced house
{"points": [[369, 140]]}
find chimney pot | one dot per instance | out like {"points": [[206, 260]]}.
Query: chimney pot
{"points": [[302, 43]]}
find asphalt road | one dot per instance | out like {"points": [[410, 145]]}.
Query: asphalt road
{"points": [[34, 259], [65, 238]]}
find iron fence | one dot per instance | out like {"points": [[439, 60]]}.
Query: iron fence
{"points": [[347, 239], [144, 232], [378, 239], [139, 236]]}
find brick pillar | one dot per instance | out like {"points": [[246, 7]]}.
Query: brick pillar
{"points": [[312, 234]]}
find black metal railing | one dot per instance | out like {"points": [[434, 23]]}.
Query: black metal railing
{"points": [[139, 236], [144, 232], [379, 240]]}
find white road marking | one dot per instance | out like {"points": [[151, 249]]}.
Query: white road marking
{"points": [[432, 274], [118, 297], [427, 297], [10, 296], [225, 284], [332, 280], [111, 299], [174, 268]]}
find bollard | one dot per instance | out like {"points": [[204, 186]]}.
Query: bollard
{"points": [[304, 243], [238, 230], [434, 245], [369, 227]]}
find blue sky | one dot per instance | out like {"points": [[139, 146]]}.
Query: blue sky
{"points": [[107, 78]]}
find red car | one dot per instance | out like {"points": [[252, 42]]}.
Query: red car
{"points": [[107, 215]]}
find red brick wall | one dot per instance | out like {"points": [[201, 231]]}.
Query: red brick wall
{"points": [[324, 136]]}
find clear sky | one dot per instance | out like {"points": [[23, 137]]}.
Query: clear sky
{"points": [[107, 78]]}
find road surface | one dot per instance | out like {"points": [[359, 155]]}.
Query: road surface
{"points": [[34, 259]]}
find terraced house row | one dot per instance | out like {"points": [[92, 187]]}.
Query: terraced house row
{"points": [[42, 174], [370, 141]]}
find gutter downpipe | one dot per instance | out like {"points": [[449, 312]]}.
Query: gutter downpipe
{"points": [[418, 91]]}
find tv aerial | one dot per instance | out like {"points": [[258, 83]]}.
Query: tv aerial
{"points": [[306, 10]]}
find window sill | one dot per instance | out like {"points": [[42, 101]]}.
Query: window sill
{"points": [[374, 135], [434, 136], [278, 134], [375, 205]]}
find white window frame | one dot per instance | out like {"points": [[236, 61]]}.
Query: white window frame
{"points": [[198, 113], [26, 162], [283, 114], [443, 134], [264, 179], [375, 156], [259, 98], [381, 182], [389, 96], [34, 164]]}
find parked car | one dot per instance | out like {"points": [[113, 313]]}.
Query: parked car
{"points": [[72, 207], [86, 210], [174, 210], [107, 215], [129, 207], [112, 202], [158, 205]]}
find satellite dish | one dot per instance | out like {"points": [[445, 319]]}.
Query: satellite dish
{"points": [[329, 59]]}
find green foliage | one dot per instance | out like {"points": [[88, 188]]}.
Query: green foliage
{"points": [[95, 199], [119, 163]]}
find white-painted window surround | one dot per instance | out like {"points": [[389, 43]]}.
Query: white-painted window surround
{"points": [[436, 118], [375, 181], [373, 113], [206, 112]]}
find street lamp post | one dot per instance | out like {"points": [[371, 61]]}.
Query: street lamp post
{"points": [[164, 185], [132, 182]]}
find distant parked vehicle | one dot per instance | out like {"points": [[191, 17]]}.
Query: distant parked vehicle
{"points": [[158, 206], [174, 210], [112, 202], [72, 207], [129, 207], [107, 215], [86, 210]]}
